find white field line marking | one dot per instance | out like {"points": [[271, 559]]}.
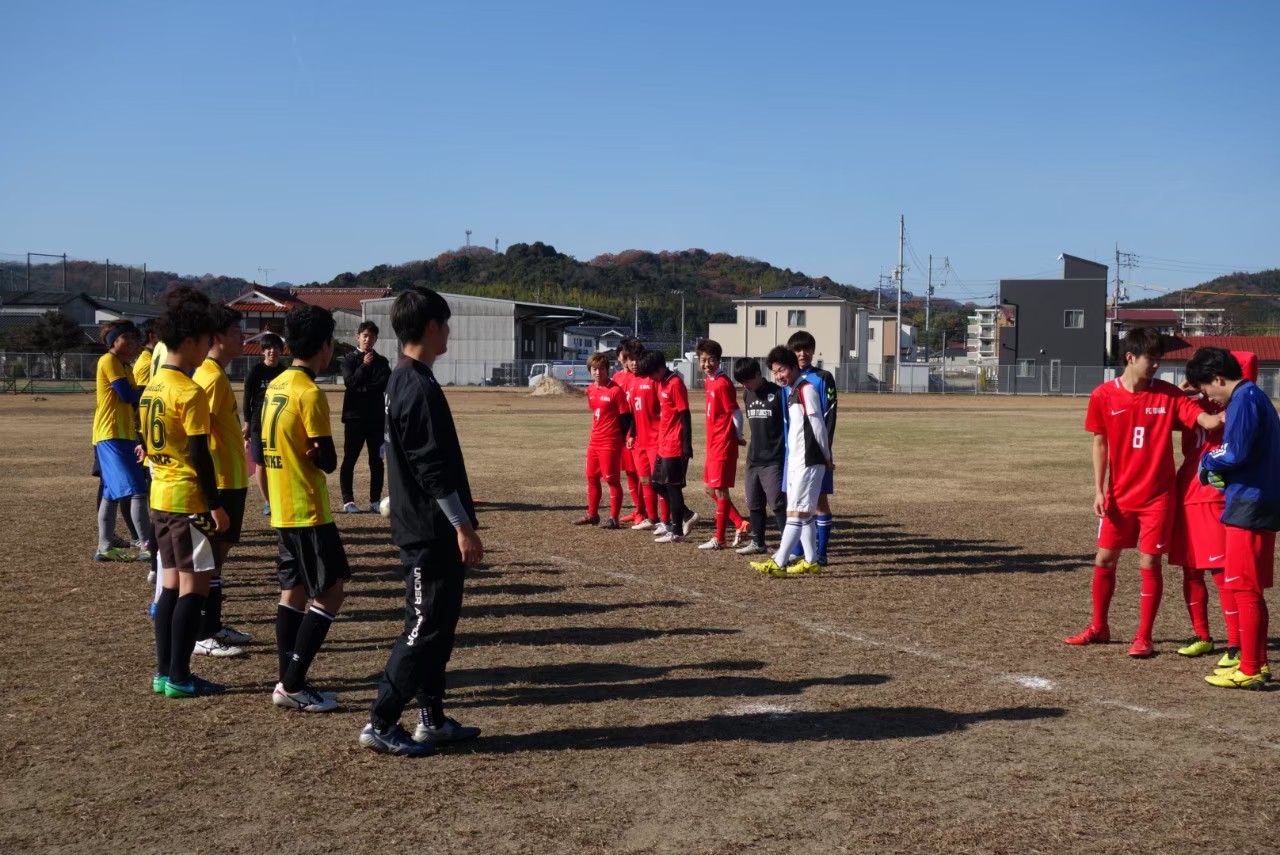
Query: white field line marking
{"points": [[1033, 683], [772, 710]]}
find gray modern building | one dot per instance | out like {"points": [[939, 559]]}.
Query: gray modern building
{"points": [[1053, 332], [491, 341]]}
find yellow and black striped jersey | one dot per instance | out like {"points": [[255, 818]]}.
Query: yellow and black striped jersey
{"points": [[295, 411], [112, 417], [226, 439], [142, 369], [174, 408]]}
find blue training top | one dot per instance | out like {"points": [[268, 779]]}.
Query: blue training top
{"points": [[1249, 460]]}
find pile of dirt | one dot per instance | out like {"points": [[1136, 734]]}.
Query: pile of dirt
{"points": [[552, 386]]}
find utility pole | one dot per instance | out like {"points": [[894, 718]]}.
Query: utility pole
{"points": [[495, 246], [266, 275], [928, 297], [898, 274], [468, 241], [1123, 259]]}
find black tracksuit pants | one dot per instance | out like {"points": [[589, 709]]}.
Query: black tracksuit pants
{"points": [[366, 433], [433, 581]]}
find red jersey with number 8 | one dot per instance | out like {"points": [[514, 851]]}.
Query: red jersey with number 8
{"points": [[1139, 430]]}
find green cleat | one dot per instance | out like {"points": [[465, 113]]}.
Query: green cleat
{"points": [[1230, 659], [115, 553], [801, 567], [1197, 647], [195, 687], [1237, 680], [768, 568], [1265, 672], [158, 682]]}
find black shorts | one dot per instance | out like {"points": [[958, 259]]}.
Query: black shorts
{"points": [[312, 556], [670, 471], [233, 503], [182, 541], [255, 445]]}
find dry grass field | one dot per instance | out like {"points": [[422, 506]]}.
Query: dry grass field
{"points": [[916, 697]]}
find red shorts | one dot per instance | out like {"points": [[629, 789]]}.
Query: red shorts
{"points": [[644, 459], [1251, 558], [628, 463], [1199, 537], [1149, 529], [602, 462], [720, 474]]}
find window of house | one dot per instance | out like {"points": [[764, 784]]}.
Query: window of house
{"points": [[1073, 319], [871, 333], [795, 317], [761, 317], [1026, 368]]}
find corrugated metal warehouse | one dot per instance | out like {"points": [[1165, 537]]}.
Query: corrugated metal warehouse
{"points": [[491, 341]]}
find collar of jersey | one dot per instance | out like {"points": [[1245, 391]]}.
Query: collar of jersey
{"points": [[304, 369]]}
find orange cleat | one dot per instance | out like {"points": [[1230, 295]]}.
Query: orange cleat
{"points": [[1091, 635], [1141, 648]]}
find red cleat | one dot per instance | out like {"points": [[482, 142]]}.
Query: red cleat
{"points": [[1141, 648], [1091, 635]]}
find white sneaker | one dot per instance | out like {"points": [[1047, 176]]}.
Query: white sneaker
{"points": [[691, 522], [227, 635], [305, 699], [711, 544], [643, 525], [214, 647], [661, 530], [670, 537], [750, 549], [151, 577], [351, 508]]}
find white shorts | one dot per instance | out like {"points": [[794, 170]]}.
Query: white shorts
{"points": [[804, 486]]}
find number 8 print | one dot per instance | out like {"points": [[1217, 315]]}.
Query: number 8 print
{"points": [[1139, 436]]}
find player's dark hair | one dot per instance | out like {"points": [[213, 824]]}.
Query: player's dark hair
{"points": [[630, 347], [710, 348], [782, 355], [746, 368], [1209, 362], [271, 340], [413, 309], [597, 359], [308, 329], [1143, 341], [187, 316], [802, 340], [224, 318], [650, 363], [367, 326], [148, 329], [115, 329]]}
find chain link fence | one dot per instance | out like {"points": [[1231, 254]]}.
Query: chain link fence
{"points": [[911, 379]]}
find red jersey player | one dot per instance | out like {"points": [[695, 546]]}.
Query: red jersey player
{"points": [[724, 435], [1200, 538], [610, 421], [1132, 419], [675, 445], [628, 350], [643, 442]]}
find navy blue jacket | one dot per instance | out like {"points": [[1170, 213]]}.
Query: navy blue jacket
{"points": [[1249, 460]]}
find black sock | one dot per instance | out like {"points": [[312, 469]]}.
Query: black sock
{"points": [[432, 714], [287, 623], [780, 520], [675, 503], [757, 526], [186, 625], [164, 629], [315, 626], [211, 620]]}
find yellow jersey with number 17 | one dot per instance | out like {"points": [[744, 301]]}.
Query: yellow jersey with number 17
{"points": [[226, 441], [174, 408], [294, 410]]}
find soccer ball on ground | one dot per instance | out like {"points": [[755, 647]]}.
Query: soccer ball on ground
{"points": [[384, 507]]}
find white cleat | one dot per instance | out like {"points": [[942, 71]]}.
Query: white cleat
{"points": [[227, 635], [711, 544], [351, 508], [670, 537], [306, 699], [750, 549], [643, 525], [214, 647], [738, 534], [661, 530], [690, 522]]}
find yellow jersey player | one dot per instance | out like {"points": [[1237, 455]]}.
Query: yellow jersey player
{"points": [[297, 450], [226, 444], [184, 495], [115, 441], [142, 365]]}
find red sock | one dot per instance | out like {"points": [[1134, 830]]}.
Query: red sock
{"points": [[1152, 590], [734, 516], [637, 495], [1230, 611], [1264, 627], [1104, 585], [650, 502], [1253, 631], [663, 509], [593, 497], [722, 518], [615, 499], [1196, 596]]}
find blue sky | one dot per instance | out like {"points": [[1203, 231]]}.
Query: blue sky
{"points": [[316, 138]]}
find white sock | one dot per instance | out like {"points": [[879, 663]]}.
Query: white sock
{"points": [[809, 539], [790, 536]]}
